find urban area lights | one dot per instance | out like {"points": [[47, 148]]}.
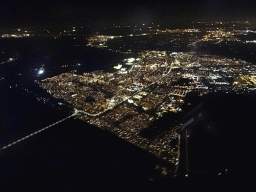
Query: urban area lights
{"points": [[129, 100], [127, 103]]}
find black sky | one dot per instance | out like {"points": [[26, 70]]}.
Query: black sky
{"points": [[39, 12]]}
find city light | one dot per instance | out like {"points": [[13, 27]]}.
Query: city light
{"points": [[131, 60], [41, 71]]}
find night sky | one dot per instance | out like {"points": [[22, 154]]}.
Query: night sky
{"points": [[39, 12]]}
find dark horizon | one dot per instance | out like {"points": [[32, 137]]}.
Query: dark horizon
{"points": [[44, 12]]}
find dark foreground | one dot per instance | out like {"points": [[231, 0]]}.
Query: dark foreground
{"points": [[70, 157], [75, 156]]}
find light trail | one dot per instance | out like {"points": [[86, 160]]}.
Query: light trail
{"points": [[34, 133]]}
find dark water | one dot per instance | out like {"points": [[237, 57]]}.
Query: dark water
{"points": [[21, 113], [55, 56], [237, 50]]}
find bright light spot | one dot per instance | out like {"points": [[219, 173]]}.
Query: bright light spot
{"points": [[130, 101], [40, 71], [131, 35], [18, 29], [131, 60], [119, 66], [10, 59]]}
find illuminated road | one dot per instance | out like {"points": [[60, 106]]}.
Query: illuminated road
{"points": [[32, 134]]}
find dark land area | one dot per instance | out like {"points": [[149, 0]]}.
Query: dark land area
{"points": [[219, 144]]}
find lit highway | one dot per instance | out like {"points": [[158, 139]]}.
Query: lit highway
{"points": [[32, 134]]}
